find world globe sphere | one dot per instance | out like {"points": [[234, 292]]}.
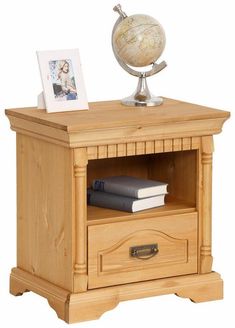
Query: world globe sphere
{"points": [[139, 40]]}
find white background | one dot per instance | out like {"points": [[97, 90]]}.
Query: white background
{"points": [[200, 54]]}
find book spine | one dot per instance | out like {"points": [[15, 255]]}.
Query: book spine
{"points": [[103, 199], [98, 185], [107, 186]]}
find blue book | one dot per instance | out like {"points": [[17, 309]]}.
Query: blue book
{"points": [[123, 203], [130, 186]]}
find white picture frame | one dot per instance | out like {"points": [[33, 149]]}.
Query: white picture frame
{"points": [[62, 80]]}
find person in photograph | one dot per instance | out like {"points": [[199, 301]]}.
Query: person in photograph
{"points": [[67, 84]]}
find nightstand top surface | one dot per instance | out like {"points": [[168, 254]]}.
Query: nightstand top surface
{"points": [[112, 114]]}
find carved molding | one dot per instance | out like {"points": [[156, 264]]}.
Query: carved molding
{"points": [[205, 250], [206, 158], [143, 147], [77, 307]]}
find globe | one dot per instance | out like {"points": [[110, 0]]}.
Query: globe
{"points": [[139, 40]]}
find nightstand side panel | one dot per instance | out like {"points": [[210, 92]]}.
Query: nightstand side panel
{"points": [[45, 210]]}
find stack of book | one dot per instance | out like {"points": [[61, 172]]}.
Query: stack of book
{"points": [[126, 193]]}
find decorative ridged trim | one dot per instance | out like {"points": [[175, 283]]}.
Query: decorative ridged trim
{"points": [[206, 158], [80, 268], [143, 147], [206, 250]]}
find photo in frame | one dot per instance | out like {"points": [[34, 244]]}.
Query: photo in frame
{"points": [[62, 80]]}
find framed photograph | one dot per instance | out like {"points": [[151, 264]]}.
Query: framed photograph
{"points": [[62, 80]]}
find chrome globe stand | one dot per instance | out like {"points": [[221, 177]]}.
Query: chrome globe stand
{"points": [[142, 96]]}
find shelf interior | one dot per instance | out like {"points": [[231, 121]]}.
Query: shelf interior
{"points": [[178, 169]]}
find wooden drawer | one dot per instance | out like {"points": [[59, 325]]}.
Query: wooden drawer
{"points": [[109, 257]]}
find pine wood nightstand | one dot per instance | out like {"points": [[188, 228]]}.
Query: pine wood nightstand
{"points": [[78, 257]]}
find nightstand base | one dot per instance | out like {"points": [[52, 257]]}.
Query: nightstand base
{"points": [[74, 307]]}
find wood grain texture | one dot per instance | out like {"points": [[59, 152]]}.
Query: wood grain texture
{"points": [[66, 249], [74, 307], [129, 165], [80, 266], [211, 292], [179, 170], [111, 123], [21, 281], [99, 215], [108, 114], [44, 210], [109, 261], [206, 205]]}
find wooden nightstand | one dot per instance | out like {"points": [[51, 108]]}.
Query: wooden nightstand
{"points": [[78, 257]]}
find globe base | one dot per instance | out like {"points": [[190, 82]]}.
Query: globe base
{"points": [[142, 97], [131, 101]]}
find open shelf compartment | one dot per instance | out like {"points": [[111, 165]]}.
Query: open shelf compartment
{"points": [[178, 169]]}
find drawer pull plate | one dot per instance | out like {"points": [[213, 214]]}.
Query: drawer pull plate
{"points": [[144, 252]]}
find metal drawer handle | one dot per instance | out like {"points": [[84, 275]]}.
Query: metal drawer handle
{"points": [[144, 252]]}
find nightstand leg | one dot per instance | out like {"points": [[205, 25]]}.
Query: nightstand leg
{"points": [[90, 305], [17, 288], [211, 291], [22, 281]]}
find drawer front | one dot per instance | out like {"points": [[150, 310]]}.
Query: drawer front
{"points": [[124, 252]]}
